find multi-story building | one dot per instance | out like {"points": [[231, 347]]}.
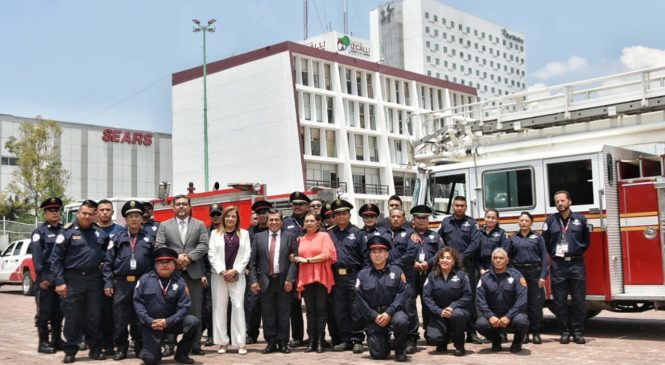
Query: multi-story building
{"points": [[429, 37], [295, 116], [102, 162]]}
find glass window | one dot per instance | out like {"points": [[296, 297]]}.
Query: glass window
{"points": [[443, 189], [361, 112], [360, 155], [349, 82], [331, 143], [331, 109], [373, 149], [572, 176], [509, 189], [303, 71], [306, 105], [370, 90], [315, 139], [372, 118], [315, 73], [359, 86], [17, 248], [326, 73]]}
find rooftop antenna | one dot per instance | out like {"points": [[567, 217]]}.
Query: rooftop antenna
{"points": [[346, 17], [305, 18]]}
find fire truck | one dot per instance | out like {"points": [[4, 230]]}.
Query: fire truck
{"points": [[602, 140]]}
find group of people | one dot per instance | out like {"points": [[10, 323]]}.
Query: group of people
{"points": [[157, 281]]}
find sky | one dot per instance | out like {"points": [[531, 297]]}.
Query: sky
{"points": [[109, 62]]}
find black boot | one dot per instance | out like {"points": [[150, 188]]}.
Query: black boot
{"points": [[320, 344], [526, 339], [536, 338], [311, 347], [44, 346]]}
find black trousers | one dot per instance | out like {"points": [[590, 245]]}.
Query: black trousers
{"points": [[333, 330], [196, 296], [297, 324], [349, 320], [569, 277], [519, 324], [107, 322], [49, 308], [414, 325], [124, 315], [275, 312], [206, 309], [82, 311], [471, 271], [535, 297], [439, 328], [252, 312], [316, 297], [378, 340], [152, 340]]}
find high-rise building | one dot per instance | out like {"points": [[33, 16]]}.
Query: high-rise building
{"points": [[429, 37], [295, 116]]}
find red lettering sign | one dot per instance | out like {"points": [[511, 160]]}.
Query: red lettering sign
{"points": [[120, 136]]}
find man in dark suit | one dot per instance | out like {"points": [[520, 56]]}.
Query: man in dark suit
{"points": [[273, 275], [188, 236]]}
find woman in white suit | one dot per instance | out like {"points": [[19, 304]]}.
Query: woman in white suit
{"points": [[229, 251]]}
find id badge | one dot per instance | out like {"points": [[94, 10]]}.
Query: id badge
{"points": [[561, 248], [132, 264], [421, 256]]}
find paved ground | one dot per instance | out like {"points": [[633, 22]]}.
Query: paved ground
{"points": [[612, 339]]}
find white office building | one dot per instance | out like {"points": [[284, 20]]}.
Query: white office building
{"points": [[103, 162], [295, 116], [434, 39]]}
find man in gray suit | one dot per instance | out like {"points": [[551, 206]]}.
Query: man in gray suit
{"points": [[188, 236], [273, 275]]}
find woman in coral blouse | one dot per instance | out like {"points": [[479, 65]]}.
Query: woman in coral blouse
{"points": [[316, 254]]}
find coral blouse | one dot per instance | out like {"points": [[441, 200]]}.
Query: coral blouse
{"points": [[310, 245]]}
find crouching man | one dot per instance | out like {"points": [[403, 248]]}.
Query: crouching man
{"points": [[161, 302]]}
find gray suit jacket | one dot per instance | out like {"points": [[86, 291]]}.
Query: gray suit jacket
{"points": [[195, 245], [260, 257]]}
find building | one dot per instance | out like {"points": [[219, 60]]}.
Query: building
{"points": [[102, 161], [295, 117], [434, 39]]}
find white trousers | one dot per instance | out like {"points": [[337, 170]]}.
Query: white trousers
{"points": [[221, 292]]}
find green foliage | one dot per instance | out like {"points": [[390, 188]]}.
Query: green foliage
{"points": [[39, 173]]}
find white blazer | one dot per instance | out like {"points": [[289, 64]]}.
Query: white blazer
{"points": [[216, 253]]}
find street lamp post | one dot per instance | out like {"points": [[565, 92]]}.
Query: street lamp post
{"points": [[204, 29]]}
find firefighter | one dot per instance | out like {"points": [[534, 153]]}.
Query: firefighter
{"points": [[381, 294], [128, 257], [501, 297], [149, 224], [252, 301], [350, 260], [161, 302], [76, 263], [295, 224], [48, 302], [369, 214], [567, 238]]}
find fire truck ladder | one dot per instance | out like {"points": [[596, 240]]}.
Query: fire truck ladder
{"points": [[457, 129]]}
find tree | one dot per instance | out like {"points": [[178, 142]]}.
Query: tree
{"points": [[39, 173]]}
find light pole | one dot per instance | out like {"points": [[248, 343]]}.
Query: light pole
{"points": [[204, 29]]}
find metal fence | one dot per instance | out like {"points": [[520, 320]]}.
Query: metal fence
{"points": [[12, 231]]}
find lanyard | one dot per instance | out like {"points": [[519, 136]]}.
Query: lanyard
{"points": [[565, 229], [132, 243], [164, 289]]}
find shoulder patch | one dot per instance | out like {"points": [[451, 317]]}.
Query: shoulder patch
{"points": [[523, 281], [480, 283], [110, 246], [154, 228], [357, 283], [35, 237], [60, 239], [545, 226]]}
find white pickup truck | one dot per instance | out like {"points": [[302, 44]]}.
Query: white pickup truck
{"points": [[16, 267]]}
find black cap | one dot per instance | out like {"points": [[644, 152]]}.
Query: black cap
{"points": [[132, 206], [299, 197], [327, 211], [90, 203], [165, 253], [147, 205], [215, 208], [261, 205], [52, 202], [378, 242], [369, 209], [340, 205], [421, 211]]}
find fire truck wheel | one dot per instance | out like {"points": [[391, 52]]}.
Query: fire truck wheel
{"points": [[590, 313], [28, 286]]}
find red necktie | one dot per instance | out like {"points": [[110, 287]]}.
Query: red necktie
{"points": [[271, 253]]}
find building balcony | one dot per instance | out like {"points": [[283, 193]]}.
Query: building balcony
{"points": [[403, 191], [333, 184], [374, 189]]}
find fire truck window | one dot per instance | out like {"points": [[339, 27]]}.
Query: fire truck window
{"points": [[572, 176], [509, 189], [442, 190], [8, 250], [17, 249]]}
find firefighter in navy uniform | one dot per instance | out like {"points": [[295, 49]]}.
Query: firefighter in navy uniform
{"points": [[295, 224], [501, 297], [49, 310], [161, 302], [252, 301], [461, 232], [351, 254], [76, 264], [128, 257], [427, 243], [567, 238], [381, 293], [149, 224], [369, 214]]}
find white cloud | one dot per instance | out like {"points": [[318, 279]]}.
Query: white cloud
{"points": [[639, 57], [558, 68]]}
